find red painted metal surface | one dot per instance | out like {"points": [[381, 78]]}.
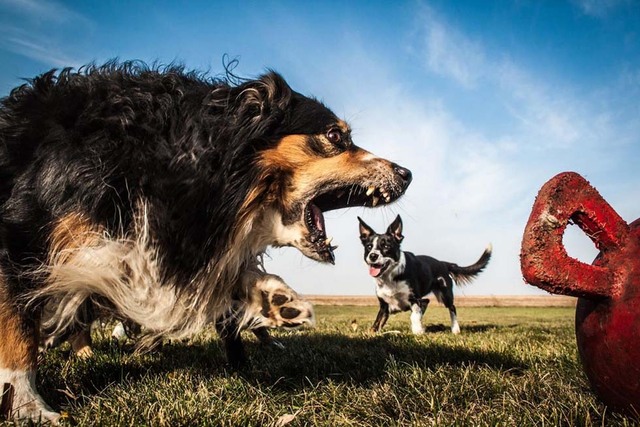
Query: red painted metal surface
{"points": [[608, 291]]}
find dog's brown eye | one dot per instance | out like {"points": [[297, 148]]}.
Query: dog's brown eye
{"points": [[334, 136]]}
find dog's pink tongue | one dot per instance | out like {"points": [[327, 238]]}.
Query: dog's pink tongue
{"points": [[374, 271], [318, 218]]}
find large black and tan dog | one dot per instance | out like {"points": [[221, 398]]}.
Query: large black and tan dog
{"points": [[404, 280], [152, 192]]}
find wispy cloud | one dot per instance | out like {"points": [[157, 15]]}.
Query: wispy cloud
{"points": [[45, 11], [551, 113], [540, 110], [449, 52], [40, 35], [39, 49], [599, 8]]}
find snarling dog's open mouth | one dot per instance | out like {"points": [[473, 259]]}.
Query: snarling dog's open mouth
{"points": [[314, 174], [366, 195]]}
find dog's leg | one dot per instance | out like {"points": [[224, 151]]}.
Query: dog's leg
{"points": [[447, 300], [416, 318], [18, 362], [229, 332], [455, 327], [382, 317]]}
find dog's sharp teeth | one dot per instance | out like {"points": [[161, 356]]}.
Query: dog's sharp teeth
{"points": [[375, 200], [370, 190], [328, 241]]}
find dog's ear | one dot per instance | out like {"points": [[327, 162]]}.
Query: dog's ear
{"points": [[256, 105], [395, 229], [365, 230]]}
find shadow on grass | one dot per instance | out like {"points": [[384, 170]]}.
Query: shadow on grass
{"points": [[307, 360], [363, 360], [441, 327]]}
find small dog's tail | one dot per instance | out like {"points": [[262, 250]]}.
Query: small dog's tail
{"points": [[464, 275]]}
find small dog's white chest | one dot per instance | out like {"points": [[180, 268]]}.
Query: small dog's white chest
{"points": [[396, 294]]}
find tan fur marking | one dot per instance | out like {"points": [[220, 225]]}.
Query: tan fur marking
{"points": [[308, 169], [17, 349], [72, 232], [293, 153], [344, 127]]}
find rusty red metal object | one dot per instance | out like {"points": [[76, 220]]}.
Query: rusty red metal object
{"points": [[608, 291]]}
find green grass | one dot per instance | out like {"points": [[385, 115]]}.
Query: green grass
{"points": [[509, 366]]}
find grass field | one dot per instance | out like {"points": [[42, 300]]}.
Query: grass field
{"points": [[510, 366]]}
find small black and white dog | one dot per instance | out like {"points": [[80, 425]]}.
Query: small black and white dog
{"points": [[404, 280]]}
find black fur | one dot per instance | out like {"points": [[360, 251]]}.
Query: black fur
{"points": [[122, 130]]}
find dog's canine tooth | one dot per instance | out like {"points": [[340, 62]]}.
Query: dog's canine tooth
{"points": [[370, 190], [375, 200], [328, 241]]}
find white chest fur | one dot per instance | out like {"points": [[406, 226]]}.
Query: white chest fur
{"points": [[396, 294]]}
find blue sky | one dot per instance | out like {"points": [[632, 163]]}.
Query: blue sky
{"points": [[483, 100]]}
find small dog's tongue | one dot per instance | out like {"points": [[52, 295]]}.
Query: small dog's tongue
{"points": [[375, 270]]}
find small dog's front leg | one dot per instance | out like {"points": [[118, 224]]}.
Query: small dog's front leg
{"points": [[381, 318], [416, 318]]}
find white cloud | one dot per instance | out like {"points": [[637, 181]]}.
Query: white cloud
{"points": [[541, 111], [40, 33], [40, 50], [599, 8], [45, 11], [450, 53], [548, 112]]}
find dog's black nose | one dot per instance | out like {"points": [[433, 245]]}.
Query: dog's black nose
{"points": [[404, 173], [373, 257]]}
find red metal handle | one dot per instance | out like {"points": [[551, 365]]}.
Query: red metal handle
{"points": [[543, 258]]}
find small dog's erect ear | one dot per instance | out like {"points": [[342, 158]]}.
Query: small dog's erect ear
{"points": [[365, 230], [395, 229]]}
